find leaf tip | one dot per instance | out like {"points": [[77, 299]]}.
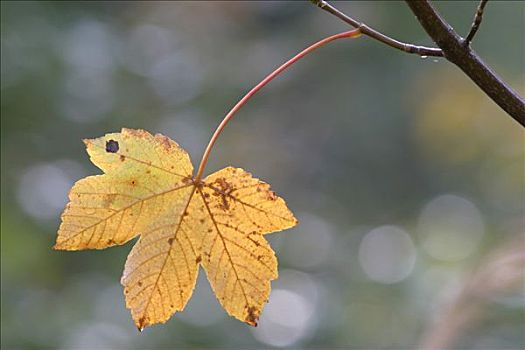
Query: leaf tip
{"points": [[141, 323], [252, 317]]}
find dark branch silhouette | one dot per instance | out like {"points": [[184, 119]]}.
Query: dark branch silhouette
{"points": [[467, 60], [453, 47]]}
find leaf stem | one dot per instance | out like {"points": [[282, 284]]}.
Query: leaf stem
{"points": [[348, 34]]}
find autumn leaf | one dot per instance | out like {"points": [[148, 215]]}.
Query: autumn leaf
{"points": [[147, 190]]}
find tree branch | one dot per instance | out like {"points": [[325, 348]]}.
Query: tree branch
{"points": [[366, 30], [454, 48], [477, 21], [467, 60]]}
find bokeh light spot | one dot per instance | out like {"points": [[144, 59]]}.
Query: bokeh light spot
{"points": [[450, 227], [43, 188], [285, 319], [313, 246], [387, 254]]}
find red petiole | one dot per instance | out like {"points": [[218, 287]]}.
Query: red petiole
{"points": [[349, 34]]}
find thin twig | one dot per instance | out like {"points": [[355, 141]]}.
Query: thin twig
{"points": [[477, 21], [366, 30], [468, 60]]}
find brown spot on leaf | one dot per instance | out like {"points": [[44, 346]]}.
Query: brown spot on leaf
{"points": [[198, 260], [111, 146], [140, 284], [223, 184], [170, 241], [271, 195], [165, 141], [187, 179], [225, 188], [108, 200], [252, 316], [122, 157]]}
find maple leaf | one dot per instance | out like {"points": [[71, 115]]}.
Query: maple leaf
{"points": [[147, 189]]}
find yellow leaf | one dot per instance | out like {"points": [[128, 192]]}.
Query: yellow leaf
{"points": [[147, 189]]}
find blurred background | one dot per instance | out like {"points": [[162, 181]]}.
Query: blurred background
{"points": [[407, 180]]}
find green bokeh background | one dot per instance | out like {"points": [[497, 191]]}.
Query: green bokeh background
{"points": [[404, 176]]}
